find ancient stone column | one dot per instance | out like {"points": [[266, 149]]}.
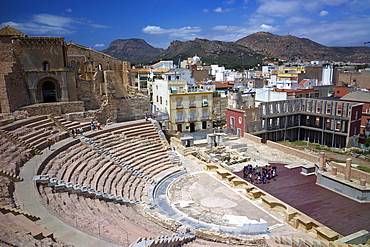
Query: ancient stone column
{"points": [[334, 171], [363, 182], [322, 162], [347, 174]]}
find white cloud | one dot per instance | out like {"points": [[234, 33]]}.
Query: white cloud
{"points": [[52, 20], [257, 19], [230, 2], [50, 25], [99, 45], [358, 5], [323, 13], [233, 33], [69, 10], [205, 11], [184, 32], [278, 8], [336, 32], [298, 20], [221, 10], [99, 26], [31, 28]]}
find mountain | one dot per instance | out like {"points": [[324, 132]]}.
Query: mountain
{"points": [[132, 50], [292, 48], [228, 54], [242, 54]]}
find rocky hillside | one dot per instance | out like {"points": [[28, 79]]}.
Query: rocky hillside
{"points": [[228, 54], [244, 53], [292, 48], [132, 50]]}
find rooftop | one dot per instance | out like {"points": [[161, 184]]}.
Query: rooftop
{"points": [[357, 96], [10, 31]]}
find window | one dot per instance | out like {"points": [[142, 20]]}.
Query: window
{"points": [[157, 98], [232, 122], [46, 66], [204, 114], [192, 102], [73, 63], [192, 116], [78, 65], [160, 100], [179, 116], [178, 102], [204, 101]]}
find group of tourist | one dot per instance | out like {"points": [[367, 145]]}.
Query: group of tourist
{"points": [[77, 131], [95, 125], [259, 175]]}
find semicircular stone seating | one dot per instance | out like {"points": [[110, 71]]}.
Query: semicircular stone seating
{"points": [[84, 165]]}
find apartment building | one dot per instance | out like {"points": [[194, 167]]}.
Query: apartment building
{"points": [[326, 122], [189, 108]]}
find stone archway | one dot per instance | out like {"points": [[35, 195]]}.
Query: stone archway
{"points": [[49, 92]]}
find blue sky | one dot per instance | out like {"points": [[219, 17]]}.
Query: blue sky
{"points": [[97, 23]]}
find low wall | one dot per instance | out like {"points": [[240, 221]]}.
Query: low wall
{"points": [[355, 173], [57, 108], [343, 187]]}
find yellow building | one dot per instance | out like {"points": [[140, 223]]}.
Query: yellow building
{"points": [[290, 73], [189, 108]]}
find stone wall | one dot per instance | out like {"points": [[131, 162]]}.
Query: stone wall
{"points": [[54, 108], [13, 87], [132, 108]]}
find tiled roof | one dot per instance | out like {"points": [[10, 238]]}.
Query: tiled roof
{"points": [[10, 31], [141, 70], [161, 70], [357, 96], [220, 85], [303, 81]]}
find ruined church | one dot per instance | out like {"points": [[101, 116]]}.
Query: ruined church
{"points": [[46, 75]]}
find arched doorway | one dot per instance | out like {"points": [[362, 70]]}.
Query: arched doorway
{"points": [[49, 93]]}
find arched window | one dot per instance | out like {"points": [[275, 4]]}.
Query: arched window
{"points": [[78, 65], [100, 67], [46, 65], [73, 63]]}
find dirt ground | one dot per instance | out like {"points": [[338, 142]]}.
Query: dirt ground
{"points": [[332, 154]]}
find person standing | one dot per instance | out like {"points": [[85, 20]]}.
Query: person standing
{"points": [[48, 142]]}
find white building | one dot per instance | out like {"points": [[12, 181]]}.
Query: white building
{"points": [[268, 94], [327, 76]]}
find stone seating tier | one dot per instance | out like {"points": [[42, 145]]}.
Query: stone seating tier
{"points": [[107, 220], [20, 224]]}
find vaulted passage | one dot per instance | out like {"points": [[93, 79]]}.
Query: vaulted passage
{"points": [[49, 92]]}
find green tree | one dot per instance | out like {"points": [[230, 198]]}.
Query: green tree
{"points": [[367, 142]]}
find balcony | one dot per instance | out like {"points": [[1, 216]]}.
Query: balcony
{"points": [[192, 119], [179, 120], [192, 105], [204, 104], [179, 106], [205, 117]]}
